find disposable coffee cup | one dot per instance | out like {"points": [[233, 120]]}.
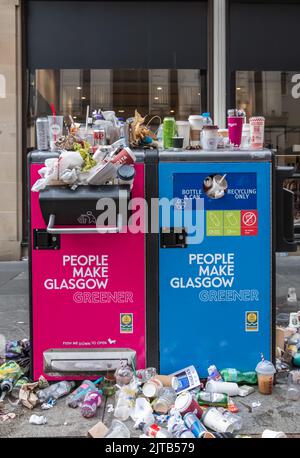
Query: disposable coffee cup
{"points": [[185, 403], [214, 420], [177, 143], [265, 376], [230, 388], [183, 130], [196, 125], [125, 156], [151, 388]]}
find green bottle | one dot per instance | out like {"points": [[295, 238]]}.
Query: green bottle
{"points": [[169, 131], [233, 375], [212, 399]]}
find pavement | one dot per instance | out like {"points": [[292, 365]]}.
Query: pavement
{"points": [[274, 412]]}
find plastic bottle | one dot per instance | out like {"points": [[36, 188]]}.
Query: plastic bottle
{"points": [[123, 375], [233, 375], [57, 390], [293, 344], [159, 135], [124, 404], [144, 375], [6, 387], [293, 389], [165, 400], [184, 433], [78, 395], [207, 121], [122, 129], [156, 431], [212, 399], [235, 419], [90, 404]]}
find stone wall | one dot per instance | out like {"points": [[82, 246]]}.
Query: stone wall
{"points": [[10, 131]]}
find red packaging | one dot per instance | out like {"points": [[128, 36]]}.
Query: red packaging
{"points": [[125, 156], [186, 403]]}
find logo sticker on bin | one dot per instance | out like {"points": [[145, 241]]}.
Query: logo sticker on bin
{"points": [[251, 321], [126, 323]]}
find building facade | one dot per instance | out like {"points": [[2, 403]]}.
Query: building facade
{"points": [[163, 58]]}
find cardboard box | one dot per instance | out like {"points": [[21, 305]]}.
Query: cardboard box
{"points": [[282, 334], [98, 430]]}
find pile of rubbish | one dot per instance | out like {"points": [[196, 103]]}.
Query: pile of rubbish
{"points": [[180, 405], [112, 164]]}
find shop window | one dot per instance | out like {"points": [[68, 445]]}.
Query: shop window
{"points": [[155, 93]]}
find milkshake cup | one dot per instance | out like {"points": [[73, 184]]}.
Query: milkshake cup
{"points": [[265, 375]]}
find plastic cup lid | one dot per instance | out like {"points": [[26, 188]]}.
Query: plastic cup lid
{"points": [[183, 401], [265, 367], [195, 117]]}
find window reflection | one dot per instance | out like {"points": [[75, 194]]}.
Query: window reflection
{"points": [[156, 92], [276, 95]]}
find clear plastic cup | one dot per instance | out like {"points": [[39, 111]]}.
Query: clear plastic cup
{"points": [[265, 375], [118, 430]]}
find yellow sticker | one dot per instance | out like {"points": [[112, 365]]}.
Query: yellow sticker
{"points": [[251, 321], [126, 322]]}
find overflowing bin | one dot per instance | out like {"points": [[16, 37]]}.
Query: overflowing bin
{"points": [[216, 258], [87, 283]]}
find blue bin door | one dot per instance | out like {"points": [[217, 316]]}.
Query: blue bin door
{"points": [[216, 294]]}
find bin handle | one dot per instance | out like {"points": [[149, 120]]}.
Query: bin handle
{"points": [[83, 230]]}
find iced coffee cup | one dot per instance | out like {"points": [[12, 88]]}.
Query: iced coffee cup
{"points": [[265, 375]]}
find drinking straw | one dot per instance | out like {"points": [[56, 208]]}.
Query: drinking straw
{"points": [[222, 178], [87, 117], [54, 116]]}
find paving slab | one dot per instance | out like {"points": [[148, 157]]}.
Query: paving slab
{"points": [[275, 412]]}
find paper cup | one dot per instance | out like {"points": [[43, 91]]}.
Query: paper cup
{"points": [[196, 125], [185, 403], [230, 388], [269, 434], [183, 130], [151, 388], [125, 156], [214, 420]]}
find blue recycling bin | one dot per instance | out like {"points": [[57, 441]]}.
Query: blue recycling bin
{"points": [[216, 258]]}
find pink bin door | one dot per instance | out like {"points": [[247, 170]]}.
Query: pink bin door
{"points": [[106, 308]]}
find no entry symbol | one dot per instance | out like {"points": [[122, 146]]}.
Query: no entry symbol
{"points": [[249, 219]]}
